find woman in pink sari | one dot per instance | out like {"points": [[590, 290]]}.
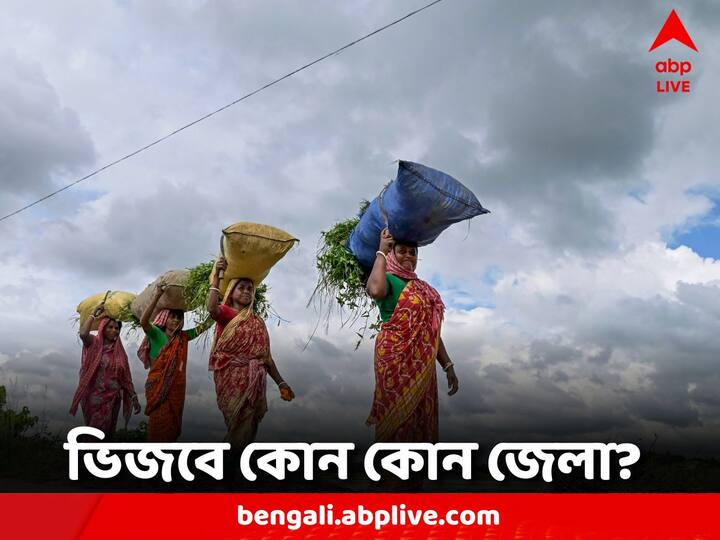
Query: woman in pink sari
{"points": [[105, 379]]}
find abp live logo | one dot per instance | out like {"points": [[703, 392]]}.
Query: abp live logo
{"points": [[673, 29]]}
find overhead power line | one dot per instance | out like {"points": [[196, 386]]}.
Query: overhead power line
{"points": [[216, 111]]}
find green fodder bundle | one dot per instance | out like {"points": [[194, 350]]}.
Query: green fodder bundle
{"points": [[129, 318], [341, 279], [198, 287]]}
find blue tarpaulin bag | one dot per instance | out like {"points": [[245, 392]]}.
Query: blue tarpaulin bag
{"points": [[419, 204]]}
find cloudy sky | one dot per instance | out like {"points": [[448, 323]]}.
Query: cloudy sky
{"points": [[585, 306]]}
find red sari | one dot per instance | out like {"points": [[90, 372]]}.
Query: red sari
{"points": [[165, 391], [405, 405], [105, 384], [237, 363]]}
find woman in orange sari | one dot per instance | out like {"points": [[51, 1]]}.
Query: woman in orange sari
{"points": [[405, 405], [240, 359], [105, 379], [164, 351]]}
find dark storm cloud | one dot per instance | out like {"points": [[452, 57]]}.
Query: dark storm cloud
{"points": [[707, 391], [42, 140], [474, 397], [45, 383], [558, 127], [544, 354], [676, 339], [602, 357], [704, 297], [497, 373], [546, 151], [558, 110], [537, 411], [169, 229], [671, 412]]}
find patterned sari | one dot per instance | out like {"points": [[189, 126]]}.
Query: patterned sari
{"points": [[165, 391], [237, 363], [105, 384], [405, 405]]}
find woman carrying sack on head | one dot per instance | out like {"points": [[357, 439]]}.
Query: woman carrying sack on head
{"points": [[105, 379], [240, 359], [164, 351], [405, 405]]}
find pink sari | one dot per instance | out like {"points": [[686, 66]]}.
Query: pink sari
{"points": [[105, 384]]}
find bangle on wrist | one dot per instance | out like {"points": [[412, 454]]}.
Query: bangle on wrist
{"points": [[282, 383], [215, 289], [447, 366], [378, 252]]}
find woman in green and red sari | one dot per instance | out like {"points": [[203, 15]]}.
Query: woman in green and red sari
{"points": [[405, 406], [164, 351]]}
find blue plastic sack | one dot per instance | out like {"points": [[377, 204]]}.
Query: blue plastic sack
{"points": [[419, 204]]}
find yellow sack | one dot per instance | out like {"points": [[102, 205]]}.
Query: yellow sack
{"points": [[251, 250], [174, 297], [115, 306]]}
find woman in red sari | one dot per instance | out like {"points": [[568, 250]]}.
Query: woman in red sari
{"points": [[240, 360], [405, 405], [105, 379], [165, 351]]}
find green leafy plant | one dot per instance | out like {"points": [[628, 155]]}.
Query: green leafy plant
{"points": [[129, 318], [262, 305], [27, 450], [341, 279], [14, 423], [198, 287]]}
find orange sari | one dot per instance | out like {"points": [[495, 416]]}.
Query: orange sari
{"points": [[165, 391], [405, 405]]}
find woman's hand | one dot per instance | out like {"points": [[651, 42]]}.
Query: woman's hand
{"points": [[214, 293], [386, 241], [86, 327], [220, 265], [377, 283], [136, 405], [286, 392], [160, 289], [453, 383], [150, 308], [99, 310]]}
